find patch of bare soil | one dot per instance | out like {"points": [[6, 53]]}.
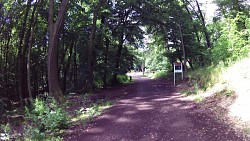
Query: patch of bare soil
{"points": [[218, 105]]}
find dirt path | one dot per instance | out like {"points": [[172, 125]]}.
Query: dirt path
{"points": [[154, 111]]}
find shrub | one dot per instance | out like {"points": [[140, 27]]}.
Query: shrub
{"points": [[5, 132], [206, 77], [160, 74], [123, 78], [3, 105], [45, 118]]}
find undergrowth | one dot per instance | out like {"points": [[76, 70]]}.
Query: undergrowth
{"points": [[160, 74], [206, 77], [123, 78], [45, 119], [84, 114]]}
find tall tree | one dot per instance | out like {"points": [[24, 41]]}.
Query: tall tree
{"points": [[90, 79], [22, 81], [203, 24], [54, 32], [32, 26]]}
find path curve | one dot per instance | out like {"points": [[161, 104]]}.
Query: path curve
{"points": [[153, 110]]}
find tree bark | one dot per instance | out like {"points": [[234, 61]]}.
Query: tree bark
{"points": [[32, 26], [66, 67], [204, 25], [21, 53], [54, 32], [194, 27], [90, 80], [105, 62], [118, 56]]}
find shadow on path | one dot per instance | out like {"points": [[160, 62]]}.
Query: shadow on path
{"points": [[153, 110]]}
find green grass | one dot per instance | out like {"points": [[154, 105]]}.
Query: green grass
{"points": [[198, 99], [86, 114], [206, 77], [123, 78], [160, 74], [225, 92]]}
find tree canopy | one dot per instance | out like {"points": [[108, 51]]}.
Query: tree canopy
{"points": [[58, 47]]}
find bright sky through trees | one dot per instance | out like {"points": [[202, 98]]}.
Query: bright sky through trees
{"points": [[209, 8]]}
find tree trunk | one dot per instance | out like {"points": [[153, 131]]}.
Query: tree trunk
{"points": [[194, 27], [21, 53], [6, 74], [106, 63], [183, 50], [204, 25], [118, 56], [54, 32], [32, 26], [75, 70], [90, 79], [66, 67]]}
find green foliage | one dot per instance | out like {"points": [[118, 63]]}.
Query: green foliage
{"points": [[232, 44], [157, 60], [161, 74], [5, 132], [123, 78], [225, 92], [95, 109], [198, 99], [3, 104], [46, 117], [204, 78], [192, 90]]}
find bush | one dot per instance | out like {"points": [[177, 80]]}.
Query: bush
{"points": [[46, 118], [206, 77], [3, 105], [232, 43], [123, 78], [160, 74]]}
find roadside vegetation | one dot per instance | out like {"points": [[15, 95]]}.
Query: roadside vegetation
{"points": [[56, 49]]}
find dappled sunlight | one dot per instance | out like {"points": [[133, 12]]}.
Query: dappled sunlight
{"points": [[128, 101], [107, 116], [144, 107], [176, 104], [95, 130], [154, 111], [161, 99], [165, 109], [130, 112], [124, 120]]}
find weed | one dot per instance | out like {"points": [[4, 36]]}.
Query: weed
{"points": [[160, 74], [95, 109], [198, 99], [5, 132], [46, 118], [225, 92], [123, 78]]}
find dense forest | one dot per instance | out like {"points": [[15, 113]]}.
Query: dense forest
{"points": [[60, 47], [78, 46]]}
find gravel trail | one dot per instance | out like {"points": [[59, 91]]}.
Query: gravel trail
{"points": [[153, 110]]}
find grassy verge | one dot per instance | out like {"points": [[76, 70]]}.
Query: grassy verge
{"points": [[158, 74], [83, 115], [207, 77], [46, 120]]}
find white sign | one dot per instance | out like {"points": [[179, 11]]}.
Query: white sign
{"points": [[178, 68]]}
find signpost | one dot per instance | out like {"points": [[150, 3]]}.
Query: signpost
{"points": [[178, 68]]}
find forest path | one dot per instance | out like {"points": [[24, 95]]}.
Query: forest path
{"points": [[153, 110]]}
